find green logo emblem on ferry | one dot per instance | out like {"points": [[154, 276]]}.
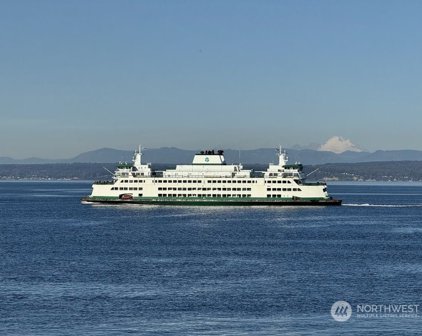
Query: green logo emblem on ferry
{"points": [[207, 159]]}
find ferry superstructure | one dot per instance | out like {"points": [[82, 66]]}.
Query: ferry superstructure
{"points": [[209, 180]]}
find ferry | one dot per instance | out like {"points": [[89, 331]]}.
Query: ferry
{"points": [[208, 181]]}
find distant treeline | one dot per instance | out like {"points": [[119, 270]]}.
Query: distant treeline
{"points": [[379, 171]]}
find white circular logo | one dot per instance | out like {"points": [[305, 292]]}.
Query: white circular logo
{"points": [[341, 311], [207, 159]]}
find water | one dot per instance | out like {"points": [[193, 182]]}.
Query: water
{"points": [[73, 269]]}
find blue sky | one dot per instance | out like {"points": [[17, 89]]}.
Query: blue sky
{"points": [[80, 75]]}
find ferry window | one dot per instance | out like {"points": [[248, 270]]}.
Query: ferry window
{"points": [[229, 181], [289, 189], [268, 189], [219, 181], [289, 182], [278, 181], [268, 195], [174, 181], [179, 181], [284, 181], [298, 189], [184, 181]]}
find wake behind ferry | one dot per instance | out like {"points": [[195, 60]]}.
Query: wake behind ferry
{"points": [[209, 180]]}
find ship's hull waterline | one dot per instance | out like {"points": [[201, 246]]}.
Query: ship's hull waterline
{"points": [[212, 201]]}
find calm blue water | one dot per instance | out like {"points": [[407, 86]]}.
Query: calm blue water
{"points": [[73, 269]]}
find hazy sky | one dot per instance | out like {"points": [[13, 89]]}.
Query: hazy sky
{"points": [[80, 75]]}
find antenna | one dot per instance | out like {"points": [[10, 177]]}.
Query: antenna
{"points": [[108, 170], [314, 171]]}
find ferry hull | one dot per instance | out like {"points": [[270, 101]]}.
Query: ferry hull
{"points": [[214, 202]]}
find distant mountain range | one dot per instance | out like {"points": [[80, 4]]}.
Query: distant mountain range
{"points": [[172, 155]]}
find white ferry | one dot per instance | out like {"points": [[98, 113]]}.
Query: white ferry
{"points": [[209, 180]]}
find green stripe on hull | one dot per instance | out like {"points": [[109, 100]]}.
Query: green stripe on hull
{"points": [[208, 201]]}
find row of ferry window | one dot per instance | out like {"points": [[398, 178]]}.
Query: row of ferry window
{"points": [[278, 196], [284, 189], [191, 181], [203, 181], [278, 181], [126, 188], [208, 181], [205, 189], [204, 195]]}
